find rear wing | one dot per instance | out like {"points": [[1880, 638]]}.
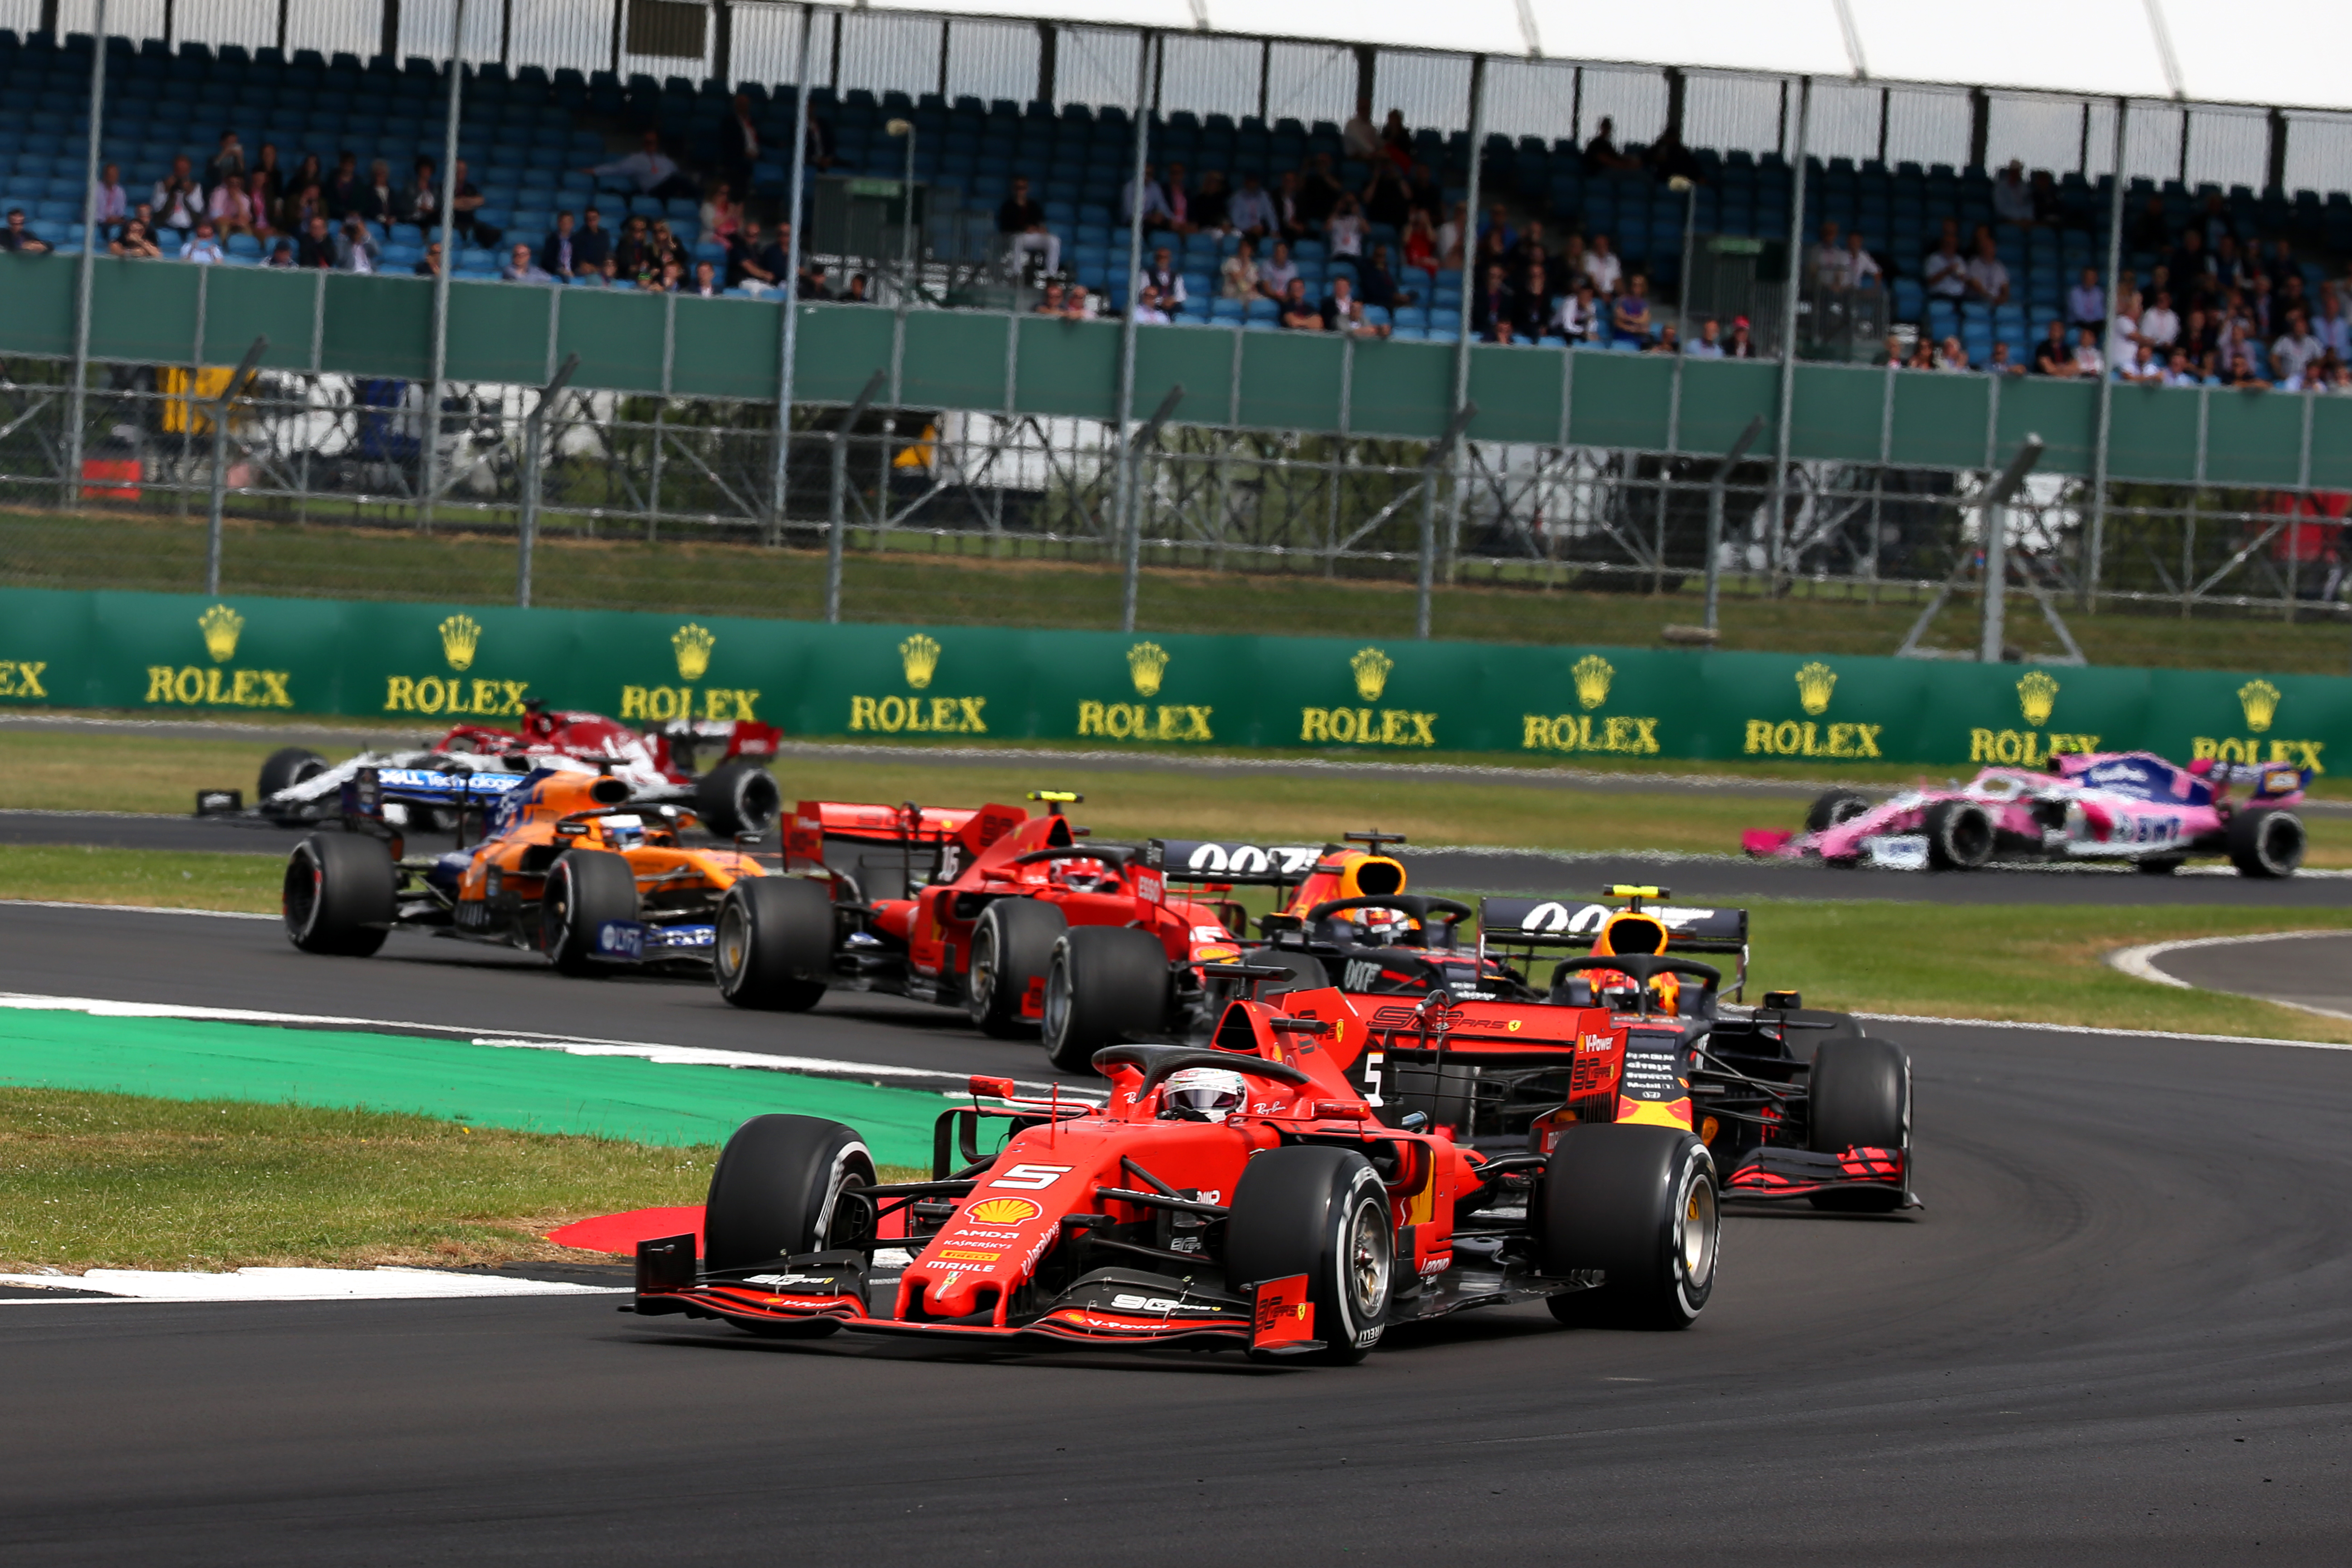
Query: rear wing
{"points": [[370, 788], [1239, 865], [1566, 922]]}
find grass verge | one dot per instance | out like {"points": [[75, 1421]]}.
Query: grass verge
{"points": [[119, 1181], [75, 874]]}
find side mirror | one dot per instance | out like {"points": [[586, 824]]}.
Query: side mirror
{"points": [[995, 1088], [1783, 1001], [1414, 1120]]}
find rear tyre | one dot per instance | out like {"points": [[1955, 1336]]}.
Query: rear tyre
{"points": [[777, 1190], [773, 947], [1011, 946], [1320, 1212], [283, 769], [1104, 986], [738, 798], [1959, 836], [1640, 1204], [1858, 1096], [339, 894], [1834, 806], [585, 887], [2267, 842]]}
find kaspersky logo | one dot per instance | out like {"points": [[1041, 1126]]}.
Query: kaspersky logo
{"points": [[193, 686]]}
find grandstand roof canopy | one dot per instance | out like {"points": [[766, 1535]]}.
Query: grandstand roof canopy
{"points": [[2295, 54]]}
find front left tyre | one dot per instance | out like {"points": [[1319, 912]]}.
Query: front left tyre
{"points": [[779, 1191], [738, 799], [2267, 842], [585, 887], [1320, 1212], [282, 770], [1105, 985], [773, 947], [1012, 946], [339, 894], [1642, 1205], [1858, 1096]]}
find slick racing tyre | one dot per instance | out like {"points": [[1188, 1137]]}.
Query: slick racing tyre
{"points": [[738, 799], [2267, 842], [777, 1190], [1105, 985], [773, 947], [1640, 1204], [1832, 806], [1320, 1212], [339, 894], [1858, 1096], [285, 768], [585, 887], [1011, 946], [1959, 836]]}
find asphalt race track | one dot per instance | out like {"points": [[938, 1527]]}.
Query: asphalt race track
{"points": [[2312, 971], [2118, 1333]]}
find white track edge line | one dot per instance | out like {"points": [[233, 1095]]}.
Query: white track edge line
{"points": [[132, 908]]}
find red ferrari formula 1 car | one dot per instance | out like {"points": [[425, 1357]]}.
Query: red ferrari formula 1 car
{"points": [[1247, 1194]]}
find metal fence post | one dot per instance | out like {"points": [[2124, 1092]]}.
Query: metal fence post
{"points": [[2106, 374], [1790, 300], [527, 528], [1464, 338], [430, 472], [1133, 461], [220, 459], [1430, 465], [837, 511], [1994, 631], [85, 276], [1120, 476], [1714, 511], [788, 333]]}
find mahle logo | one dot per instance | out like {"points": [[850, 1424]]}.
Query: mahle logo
{"points": [[221, 627], [1371, 669], [692, 644], [1147, 664], [460, 636], [1592, 674], [2037, 697], [1815, 682], [2261, 700], [921, 656]]}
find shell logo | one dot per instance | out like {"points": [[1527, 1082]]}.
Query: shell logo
{"points": [[1003, 1211]]}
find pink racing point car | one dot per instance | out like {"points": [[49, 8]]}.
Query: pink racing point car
{"points": [[2128, 808]]}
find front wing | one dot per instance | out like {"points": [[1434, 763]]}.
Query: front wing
{"points": [[1773, 1173]]}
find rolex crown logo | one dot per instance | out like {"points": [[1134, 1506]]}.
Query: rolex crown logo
{"points": [[1146, 662], [1814, 684], [692, 644], [221, 626], [460, 635], [1371, 667], [1593, 674], [2037, 694], [920, 656], [2261, 700]]}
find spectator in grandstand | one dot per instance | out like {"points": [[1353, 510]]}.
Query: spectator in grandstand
{"points": [[2297, 349], [739, 142], [2331, 324], [1529, 253], [1923, 353], [2012, 199], [1212, 204], [2158, 327], [1825, 262], [1493, 306], [1451, 234], [593, 246], [1667, 342], [2242, 373], [1160, 274], [2000, 363], [1670, 159], [2123, 341], [1023, 223], [1378, 285], [378, 199], [1290, 221], [522, 268], [1421, 244], [229, 159], [1862, 270], [1496, 235], [2145, 369], [2053, 355], [1360, 137], [111, 207], [1346, 228], [649, 171], [316, 247], [1299, 313], [1237, 278], [282, 254], [1318, 193], [1987, 276], [1151, 307], [817, 138], [1425, 195], [1080, 304], [1602, 154], [1947, 271], [1049, 301], [422, 198], [1396, 139], [558, 253], [202, 247], [754, 264], [343, 186], [1176, 187], [721, 214], [1279, 272], [632, 254], [1252, 211], [1743, 342], [1531, 304], [2191, 265], [1709, 344], [1601, 265], [356, 248], [2087, 302], [178, 200], [706, 284], [672, 278], [1629, 317], [466, 204], [2048, 210], [230, 208], [135, 243], [266, 181], [1581, 315], [2288, 297], [1155, 201], [429, 264], [1386, 197]]}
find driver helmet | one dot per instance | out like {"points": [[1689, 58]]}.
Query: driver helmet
{"points": [[1203, 1094]]}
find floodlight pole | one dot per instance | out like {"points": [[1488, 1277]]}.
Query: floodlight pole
{"points": [[85, 275], [1122, 479], [220, 409], [1430, 465], [787, 329], [840, 502], [1132, 462], [2106, 373], [1714, 511], [1463, 337], [430, 472], [527, 534], [1996, 548], [1791, 297]]}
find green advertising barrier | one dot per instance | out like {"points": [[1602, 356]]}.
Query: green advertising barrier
{"points": [[429, 665]]}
